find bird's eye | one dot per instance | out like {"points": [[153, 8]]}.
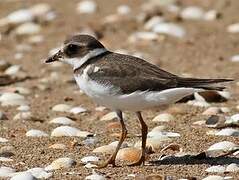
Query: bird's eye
{"points": [[71, 49]]}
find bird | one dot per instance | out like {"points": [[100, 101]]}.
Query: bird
{"points": [[125, 83]]}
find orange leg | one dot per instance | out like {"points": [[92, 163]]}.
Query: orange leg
{"points": [[111, 160], [144, 131]]}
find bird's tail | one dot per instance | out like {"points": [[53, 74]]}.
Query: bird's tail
{"points": [[207, 84]]}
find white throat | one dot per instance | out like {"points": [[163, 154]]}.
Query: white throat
{"points": [[78, 62]]}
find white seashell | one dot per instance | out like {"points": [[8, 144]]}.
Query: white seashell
{"points": [[151, 23], [123, 9], [234, 119], [78, 110], [88, 159], [211, 111], [23, 175], [12, 70], [164, 117], [108, 149], [213, 177], [162, 134], [100, 108], [63, 121], [225, 109], [23, 108], [61, 108], [224, 94], [69, 131], [90, 141], [4, 159], [129, 154], [40, 9], [143, 36], [228, 132], [232, 168], [6, 171], [211, 15], [17, 17], [23, 116], [86, 6], [58, 146], [3, 140], [39, 173], [216, 169], [61, 163], [36, 133], [154, 143], [233, 28], [18, 56], [198, 103], [95, 176], [108, 117], [235, 58], [36, 39], [28, 29], [192, 13], [222, 146], [170, 29], [158, 128], [12, 99], [89, 165]]}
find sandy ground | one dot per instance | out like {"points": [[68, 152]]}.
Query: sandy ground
{"points": [[204, 52]]}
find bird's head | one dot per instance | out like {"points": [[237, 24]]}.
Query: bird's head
{"points": [[77, 49]]}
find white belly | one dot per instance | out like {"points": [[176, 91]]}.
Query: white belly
{"points": [[108, 96]]}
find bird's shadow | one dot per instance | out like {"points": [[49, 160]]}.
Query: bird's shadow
{"points": [[195, 159]]}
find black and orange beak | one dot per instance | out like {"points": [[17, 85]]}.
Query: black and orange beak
{"points": [[55, 57]]}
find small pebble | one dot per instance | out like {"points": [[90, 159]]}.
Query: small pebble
{"points": [[211, 15], [216, 169], [61, 108], [23, 176], [12, 99], [235, 58], [233, 28], [5, 159], [23, 116], [233, 167], [36, 133], [95, 176], [61, 163], [108, 117], [213, 177], [28, 29], [24, 108], [3, 116], [3, 140], [123, 9], [58, 146], [149, 25], [17, 17], [164, 117], [39, 173], [63, 121], [143, 36], [170, 29], [192, 13], [211, 111], [86, 7], [228, 132], [223, 146], [6, 171], [69, 131], [12, 70], [78, 110], [89, 159]]}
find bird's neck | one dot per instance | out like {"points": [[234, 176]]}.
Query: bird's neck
{"points": [[80, 61]]}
